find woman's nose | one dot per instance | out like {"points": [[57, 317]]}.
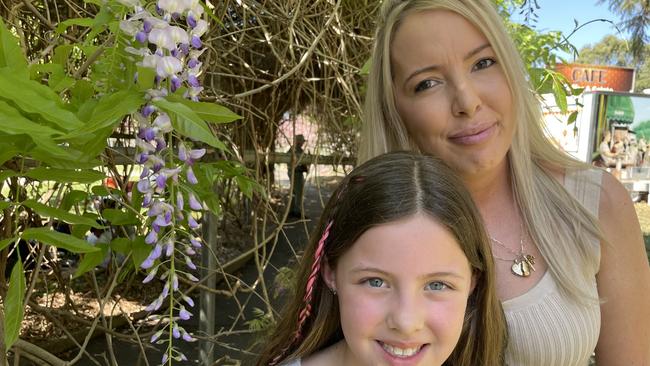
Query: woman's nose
{"points": [[406, 315], [465, 100]]}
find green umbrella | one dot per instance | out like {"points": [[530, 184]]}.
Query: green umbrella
{"points": [[620, 109]]}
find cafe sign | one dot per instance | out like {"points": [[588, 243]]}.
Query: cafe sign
{"points": [[597, 77]]}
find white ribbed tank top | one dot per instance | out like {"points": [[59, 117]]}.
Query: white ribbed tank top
{"points": [[545, 328]]}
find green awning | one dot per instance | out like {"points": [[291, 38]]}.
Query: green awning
{"points": [[620, 109]]}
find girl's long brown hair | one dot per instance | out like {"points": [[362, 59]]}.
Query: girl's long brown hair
{"points": [[382, 190]]}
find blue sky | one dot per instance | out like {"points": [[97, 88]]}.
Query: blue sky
{"points": [[559, 15]]}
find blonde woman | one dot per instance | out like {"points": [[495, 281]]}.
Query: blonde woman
{"points": [[572, 274]]}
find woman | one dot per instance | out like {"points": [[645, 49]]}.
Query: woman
{"points": [[399, 272], [571, 270]]}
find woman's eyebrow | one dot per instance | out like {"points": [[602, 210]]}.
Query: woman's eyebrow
{"points": [[430, 68]]}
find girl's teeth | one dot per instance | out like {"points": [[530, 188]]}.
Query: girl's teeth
{"points": [[400, 352]]}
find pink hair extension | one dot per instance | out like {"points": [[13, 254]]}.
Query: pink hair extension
{"points": [[306, 311], [315, 270]]}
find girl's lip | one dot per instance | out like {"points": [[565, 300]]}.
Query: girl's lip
{"points": [[473, 135], [403, 361]]}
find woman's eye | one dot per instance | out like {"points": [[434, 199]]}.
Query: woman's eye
{"points": [[425, 84], [375, 282], [483, 64], [436, 286]]}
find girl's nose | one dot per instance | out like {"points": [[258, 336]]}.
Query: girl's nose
{"points": [[406, 315]]}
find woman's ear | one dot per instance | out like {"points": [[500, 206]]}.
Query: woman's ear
{"points": [[329, 276]]}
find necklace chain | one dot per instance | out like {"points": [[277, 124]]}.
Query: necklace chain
{"points": [[517, 255], [522, 263]]}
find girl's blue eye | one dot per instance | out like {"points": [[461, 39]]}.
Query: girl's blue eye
{"points": [[436, 286], [425, 84], [483, 64], [375, 282]]}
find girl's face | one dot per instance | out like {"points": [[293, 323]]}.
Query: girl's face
{"points": [[451, 92], [402, 289]]}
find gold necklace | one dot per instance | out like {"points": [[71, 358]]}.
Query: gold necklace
{"points": [[522, 263]]}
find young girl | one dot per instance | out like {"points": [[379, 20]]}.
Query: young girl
{"points": [[400, 272]]}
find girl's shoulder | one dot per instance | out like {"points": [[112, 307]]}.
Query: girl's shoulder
{"points": [[331, 355]]}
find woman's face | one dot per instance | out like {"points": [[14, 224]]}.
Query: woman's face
{"points": [[451, 92], [402, 289]]}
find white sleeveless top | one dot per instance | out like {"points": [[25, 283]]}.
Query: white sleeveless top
{"points": [[292, 363], [545, 328]]}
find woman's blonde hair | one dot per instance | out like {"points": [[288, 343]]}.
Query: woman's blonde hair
{"points": [[544, 202], [383, 190]]}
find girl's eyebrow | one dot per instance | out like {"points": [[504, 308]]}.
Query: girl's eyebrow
{"points": [[430, 68], [424, 276]]}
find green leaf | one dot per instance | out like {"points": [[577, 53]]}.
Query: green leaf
{"points": [[82, 22], [6, 174], [5, 242], [59, 240], [365, 69], [119, 217], [100, 191], [14, 304], [7, 153], [108, 112], [146, 76], [559, 93], [60, 157], [57, 79], [91, 260], [62, 54], [48, 211], [13, 122], [188, 123], [5, 204], [210, 112], [66, 175], [35, 98], [71, 198], [140, 250], [11, 55], [121, 245], [81, 92]]}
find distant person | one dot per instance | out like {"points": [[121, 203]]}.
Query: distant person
{"points": [[606, 154], [296, 170], [399, 272]]}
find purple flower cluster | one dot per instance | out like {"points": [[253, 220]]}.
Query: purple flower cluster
{"points": [[178, 43], [167, 177]]}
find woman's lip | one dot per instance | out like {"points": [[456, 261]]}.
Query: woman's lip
{"points": [[473, 135]]}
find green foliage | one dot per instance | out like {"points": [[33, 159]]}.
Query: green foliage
{"points": [[10, 53], [209, 112], [617, 52], [91, 260], [261, 321], [14, 304], [47, 236], [120, 217], [188, 123], [47, 211]]}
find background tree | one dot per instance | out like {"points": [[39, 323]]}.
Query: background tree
{"points": [[614, 51], [635, 15]]}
